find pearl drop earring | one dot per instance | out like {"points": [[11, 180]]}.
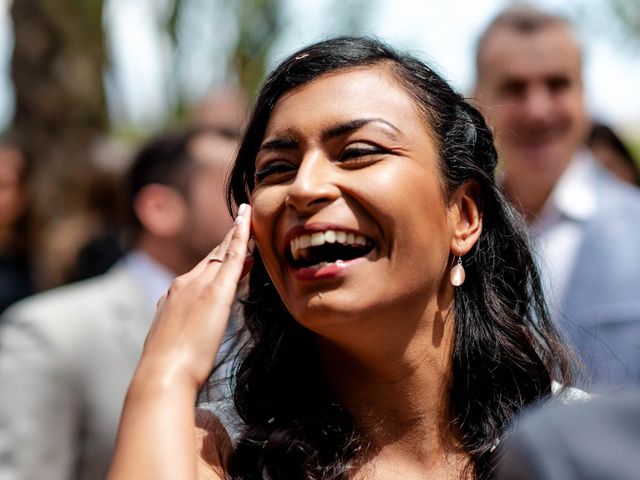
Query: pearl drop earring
{"points": [[457, 274]]}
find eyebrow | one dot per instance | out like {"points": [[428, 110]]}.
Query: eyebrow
{"points": [[288, 140], [348, 127]]}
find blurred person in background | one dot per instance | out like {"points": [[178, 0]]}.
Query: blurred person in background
{"points": [[595, 440], [110, 161], [67, 355], [613, 154], [84, 240], [582, 219], [16, 280], [225, 108]]}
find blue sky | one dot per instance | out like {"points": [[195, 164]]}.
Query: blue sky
{"points": [[440, 31]]}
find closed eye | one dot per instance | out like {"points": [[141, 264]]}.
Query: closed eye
{"points": [[361, 154], [274, 171]]}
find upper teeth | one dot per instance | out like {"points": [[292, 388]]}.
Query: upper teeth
{"points": [[316, 239]]}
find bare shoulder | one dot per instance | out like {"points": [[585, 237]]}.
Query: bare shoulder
{"points": [[213, 444]]}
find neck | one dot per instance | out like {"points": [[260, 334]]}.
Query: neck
{"points": [[397, 391], [527, 198], [528, 186]]}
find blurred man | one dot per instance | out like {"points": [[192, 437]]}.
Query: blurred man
{"points": [[67, 355], [594, 440], [529, 85]]}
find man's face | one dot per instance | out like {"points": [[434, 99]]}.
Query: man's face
{"points": [[208, 219], [530, 89]]}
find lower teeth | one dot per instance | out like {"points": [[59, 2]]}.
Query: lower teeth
{"points": [[324, 264]]}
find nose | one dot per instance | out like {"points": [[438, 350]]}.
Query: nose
{"points": [[539, 103], [314, 185]]}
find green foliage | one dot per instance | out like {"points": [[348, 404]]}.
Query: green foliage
{"points": [[245, 34], [172, 20], [628, 14], [259, 24]]}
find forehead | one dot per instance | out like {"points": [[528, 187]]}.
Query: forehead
{"points": [[367, 92], [550, 51]]}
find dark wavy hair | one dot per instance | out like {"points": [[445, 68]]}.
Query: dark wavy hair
{"points": [[605, 136], [506, 351]]}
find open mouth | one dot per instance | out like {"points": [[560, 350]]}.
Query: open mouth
{"points": [[318, 249]]}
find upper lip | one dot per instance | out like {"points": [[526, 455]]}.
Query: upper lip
{"points": [[299, 230]]}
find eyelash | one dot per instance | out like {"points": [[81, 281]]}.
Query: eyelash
{"points": [[359, 152], [353, 155], [275, 168]]}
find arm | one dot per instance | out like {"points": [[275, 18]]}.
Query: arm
{"points": [[158, 436], [40, 406]]}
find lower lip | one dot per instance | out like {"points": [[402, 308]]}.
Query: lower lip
{"points": [[332, 270]]}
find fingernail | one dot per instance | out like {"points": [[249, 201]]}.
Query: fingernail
{"points": [[242, 208], [239, 220]]}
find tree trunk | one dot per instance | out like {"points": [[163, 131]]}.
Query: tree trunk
{"points": [[60, 113]]}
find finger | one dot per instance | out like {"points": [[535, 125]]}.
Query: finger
{"points": [[207, 275], [218, 255], [228, 275]]}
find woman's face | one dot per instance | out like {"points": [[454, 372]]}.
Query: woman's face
{"points": [[348, 209]]}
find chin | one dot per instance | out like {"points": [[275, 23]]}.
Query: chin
{"points": [[549, 159], [323, 309]]}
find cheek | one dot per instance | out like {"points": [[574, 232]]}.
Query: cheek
{"points": [[569, 104], [580, 118], [513, 111], [416, 214], [427, 229], [265, 205], [427, 209], [502, 116]]}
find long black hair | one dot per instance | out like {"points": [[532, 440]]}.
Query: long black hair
{"points": [[506, 351]]}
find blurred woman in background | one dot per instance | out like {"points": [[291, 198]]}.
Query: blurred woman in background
{"points": [[613, 154]]}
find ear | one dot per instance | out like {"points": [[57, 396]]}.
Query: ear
{"points": [[161, 209], [466, 218]]}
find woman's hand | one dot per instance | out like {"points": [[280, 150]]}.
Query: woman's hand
{"points": [[157, 436], [192, 317]]}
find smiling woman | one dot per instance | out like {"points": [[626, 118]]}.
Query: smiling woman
{"points": [[369, 180]]}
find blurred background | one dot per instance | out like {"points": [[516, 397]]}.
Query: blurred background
{"points": [[83, 81], [149, 59]]}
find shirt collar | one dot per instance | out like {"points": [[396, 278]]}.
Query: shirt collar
{"points": [[574, 195]]}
